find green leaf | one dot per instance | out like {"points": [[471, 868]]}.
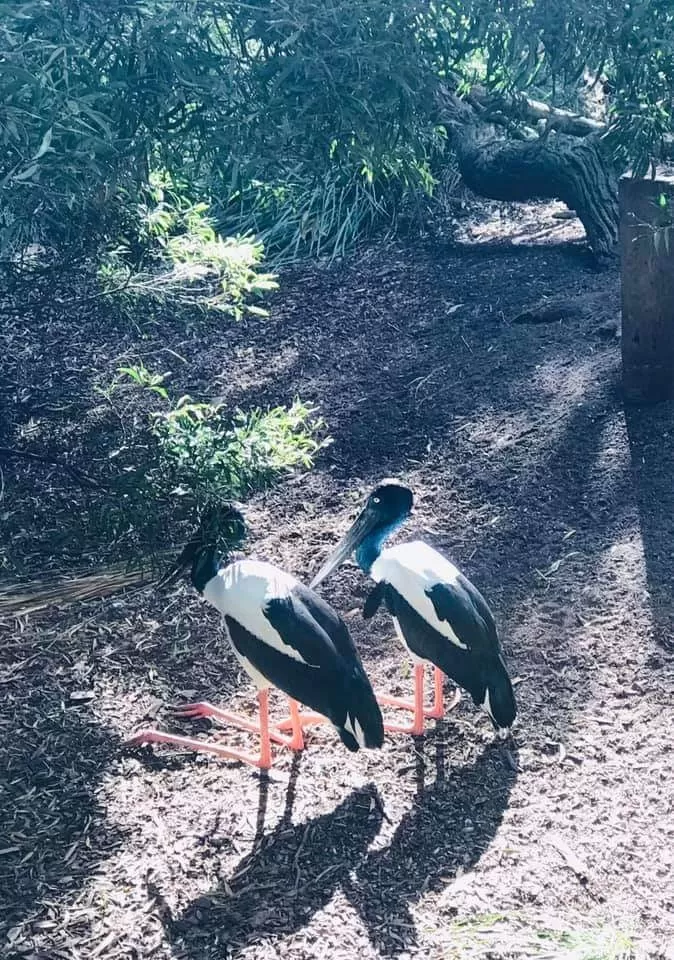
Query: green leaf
{"points": [[28, 173], [45, 145]]}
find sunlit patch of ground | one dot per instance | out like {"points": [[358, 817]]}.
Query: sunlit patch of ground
{"points": [[530, 475]]}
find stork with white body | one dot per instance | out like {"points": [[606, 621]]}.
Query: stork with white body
{"points": [[284, 635], [438, 614]]}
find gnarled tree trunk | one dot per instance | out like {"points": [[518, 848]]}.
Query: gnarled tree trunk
{"points": [[554, 166]]}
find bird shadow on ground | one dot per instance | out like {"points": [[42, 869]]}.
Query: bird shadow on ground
{"points": [[448, 829], [290, 874], [651, 439], [294, 871]]}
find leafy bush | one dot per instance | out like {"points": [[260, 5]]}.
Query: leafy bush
{"points": [[182, 456], [552, 49], [213, 457], [342, 132], [301, 97], [174, 252], [307, 122]]}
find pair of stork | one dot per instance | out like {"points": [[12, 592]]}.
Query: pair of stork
{"points": [[285, 635]]}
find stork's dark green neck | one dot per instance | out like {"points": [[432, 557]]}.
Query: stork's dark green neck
{"points": [[205, 566], [371, 546]]}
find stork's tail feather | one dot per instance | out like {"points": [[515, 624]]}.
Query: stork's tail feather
{"points": [[499, 697], [363, 725]]}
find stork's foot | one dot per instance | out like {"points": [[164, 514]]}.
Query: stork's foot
{"points": [[437, 710], [263, 762], [204, 709], [305, 720], [294, 723], [432, 713], [414, 730], [417, 727]]}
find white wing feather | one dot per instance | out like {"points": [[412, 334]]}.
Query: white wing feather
{"points": [[412, 569], [243, 589]]}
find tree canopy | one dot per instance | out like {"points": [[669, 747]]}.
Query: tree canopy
{"points": [[307, 122]]}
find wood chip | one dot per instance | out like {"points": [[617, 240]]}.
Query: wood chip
{"points": [[572, 861]]}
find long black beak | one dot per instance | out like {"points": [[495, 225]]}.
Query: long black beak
{"points": [[364, 523]]}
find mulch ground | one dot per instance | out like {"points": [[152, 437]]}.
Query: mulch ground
{"points": [[528, 471]]}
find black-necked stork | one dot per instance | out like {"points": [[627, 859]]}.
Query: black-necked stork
{"points": [[438, 614], [284, 635]]}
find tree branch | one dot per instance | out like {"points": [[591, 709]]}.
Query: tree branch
{"points": [[520, 107], [560, 167], [503, 110]]}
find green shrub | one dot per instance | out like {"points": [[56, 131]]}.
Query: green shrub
{"points": [[180, 456], [307, 122], [175, 254], [211, 456]]}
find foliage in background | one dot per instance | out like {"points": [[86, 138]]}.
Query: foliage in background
{"points": [[307, 122], [560, 51], [183, 455], [175, 255], [341, 132]]}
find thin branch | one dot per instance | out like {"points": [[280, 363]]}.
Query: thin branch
{"points": [[111, 291], [527, 109]]}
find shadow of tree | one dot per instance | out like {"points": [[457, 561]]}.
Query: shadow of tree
{"points": [[539, 498], [541, 494], [54, 830], [651, 438], [514, 245], [295, 870]]}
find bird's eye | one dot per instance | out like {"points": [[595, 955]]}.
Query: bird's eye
{"points": [[375, 500]]}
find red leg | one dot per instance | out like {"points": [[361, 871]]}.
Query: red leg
{"points": [[303, 719], [204, 709], [437, 711], [201, 746], [296, 742], [265, 760], [417, 727], [418, 700]]}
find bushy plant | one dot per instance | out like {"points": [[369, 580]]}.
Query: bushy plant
{"points": [[308, 122], [213, 456], [184, 455], [174, 253]]}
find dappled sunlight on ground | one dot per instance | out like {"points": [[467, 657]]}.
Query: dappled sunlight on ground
{"points": [[523, 223], [513, 439]]}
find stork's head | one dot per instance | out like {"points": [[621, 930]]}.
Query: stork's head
{"points": [[220, 531], [387, 507]]}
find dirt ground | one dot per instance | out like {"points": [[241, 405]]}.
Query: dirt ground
{"points": [[528, 471]]}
